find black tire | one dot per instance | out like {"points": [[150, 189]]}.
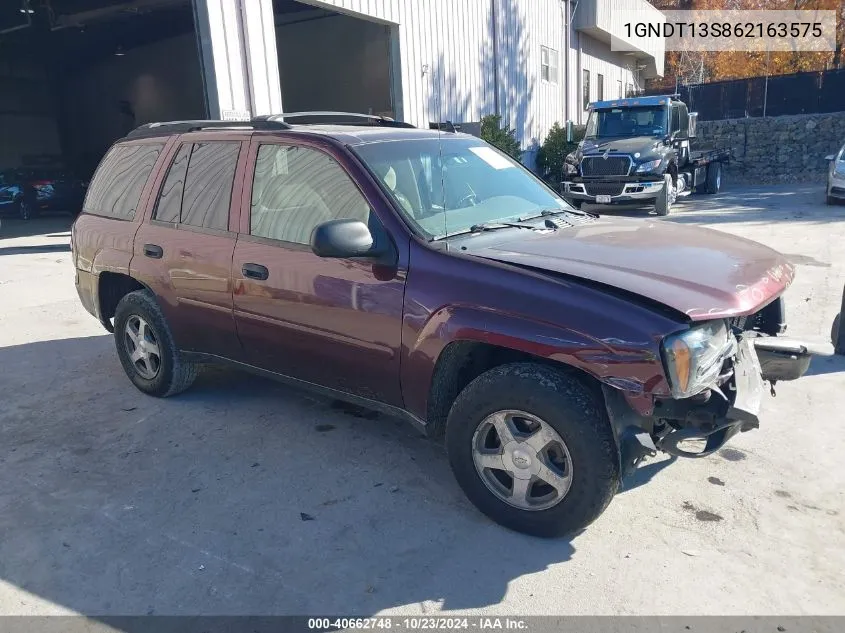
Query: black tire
{"points": [[714, 178], [174, 374], [575, 203], [573, 411], [663, 203], [830, 200], [25, 210]]}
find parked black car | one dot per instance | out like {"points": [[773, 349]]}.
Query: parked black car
{"points": [[25, 193]]}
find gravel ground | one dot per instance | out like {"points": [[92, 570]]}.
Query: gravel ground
{"points": [[245, 497]]}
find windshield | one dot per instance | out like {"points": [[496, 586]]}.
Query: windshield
{"points": [[626, 122], [473, 183]]}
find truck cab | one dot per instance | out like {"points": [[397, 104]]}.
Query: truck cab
{"points": [[637, 151]]}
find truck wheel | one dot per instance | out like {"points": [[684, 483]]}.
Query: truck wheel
{"points": [[714, 178], [663, 203], [575, 203], [25, 212], [146, 349], [533, 449]]}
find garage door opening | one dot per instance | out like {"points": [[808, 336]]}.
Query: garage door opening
{"points": [[332, 61], [79, 74]]}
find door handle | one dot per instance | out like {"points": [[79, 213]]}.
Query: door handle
{"points": [[153, 250], [255, 271]]}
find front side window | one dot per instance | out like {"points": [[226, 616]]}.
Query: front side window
{"points": [[295, 189], [115, 190], [446, 187], [198, 188]]}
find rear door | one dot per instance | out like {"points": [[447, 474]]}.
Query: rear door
{"points": [[183, 251]]}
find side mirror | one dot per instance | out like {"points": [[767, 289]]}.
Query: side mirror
{"points": [[830, 157], [344, 239], [693, 124]]}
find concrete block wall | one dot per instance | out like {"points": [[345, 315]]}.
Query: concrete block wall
{"points": [[776, 149]]}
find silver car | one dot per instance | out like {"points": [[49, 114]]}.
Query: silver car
{"points": [[836, 176]]}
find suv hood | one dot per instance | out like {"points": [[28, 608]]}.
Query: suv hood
{"points": [[703, 273]]}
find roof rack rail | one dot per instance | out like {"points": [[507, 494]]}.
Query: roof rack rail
{"points": [[164, 128], [335, 118]]}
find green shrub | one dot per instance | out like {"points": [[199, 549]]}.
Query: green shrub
{"points": [[503, 138], [554, 150]]}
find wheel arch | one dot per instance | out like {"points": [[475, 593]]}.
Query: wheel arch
{"points": [[462, 361], [111, 288]]}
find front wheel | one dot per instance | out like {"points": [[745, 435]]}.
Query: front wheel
{"points": [[533, 449], [575, 204], [666, 197]]}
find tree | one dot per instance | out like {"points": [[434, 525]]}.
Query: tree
{"points": [[553, 152], [503, 138], [691, 67]]}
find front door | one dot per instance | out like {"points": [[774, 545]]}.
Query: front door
{"points": [[332, 322], [183, 252]]}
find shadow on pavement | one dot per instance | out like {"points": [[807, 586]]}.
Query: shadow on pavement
{"points": [[11, 227], [749, 205], [239, 497], [40, 248]]}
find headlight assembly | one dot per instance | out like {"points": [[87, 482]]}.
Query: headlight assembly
{"points": [[694, 358], [649, 166]]}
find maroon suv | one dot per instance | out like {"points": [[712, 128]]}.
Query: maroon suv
{"points": [[427, 275]]}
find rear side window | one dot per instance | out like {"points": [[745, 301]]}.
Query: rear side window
{"points": [[198, 187], [115, 191]]}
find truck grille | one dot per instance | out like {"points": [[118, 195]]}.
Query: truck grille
{"points": [[604, 188], [610, 166]]}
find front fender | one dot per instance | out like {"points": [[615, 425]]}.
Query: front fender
{"points": [[632, 366]]}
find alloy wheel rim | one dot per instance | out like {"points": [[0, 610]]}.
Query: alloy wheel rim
{"points": [[522, 460], [142, 346]]}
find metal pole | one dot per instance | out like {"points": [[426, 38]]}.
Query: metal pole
{"points": [[839, 337], [766, 89]]}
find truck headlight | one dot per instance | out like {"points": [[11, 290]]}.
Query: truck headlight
{"points": [[649, 166], [569, 165], [694, 358]]}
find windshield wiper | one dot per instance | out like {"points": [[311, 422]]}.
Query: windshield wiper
{"points": [[494, 226], [545, 213]]}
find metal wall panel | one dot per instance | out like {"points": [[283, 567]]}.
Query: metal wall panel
{"points": [[448, 67]]}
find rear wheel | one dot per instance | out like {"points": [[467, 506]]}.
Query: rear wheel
{"points": [[146, 349], [714, 178], [666, 197], [532, 448]]}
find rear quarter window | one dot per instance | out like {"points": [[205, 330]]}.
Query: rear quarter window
{"points": [[115, 190]]}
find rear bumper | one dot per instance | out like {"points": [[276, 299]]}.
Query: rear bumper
{"points": [[86, 288]]}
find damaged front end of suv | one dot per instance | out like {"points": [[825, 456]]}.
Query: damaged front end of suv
{"points": [[718, 372]]}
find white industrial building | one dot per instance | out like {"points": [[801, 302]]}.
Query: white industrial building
{"points": [[79, 73]]}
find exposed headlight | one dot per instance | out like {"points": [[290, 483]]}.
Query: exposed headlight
{"points": [[694, 358], [649, 166]]}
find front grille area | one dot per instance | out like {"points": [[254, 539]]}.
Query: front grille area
{"points": [[604, 188], [610, 166]]}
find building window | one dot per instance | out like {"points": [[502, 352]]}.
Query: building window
{"points": [[548, 64], [585, 86], [600, 87], [619, 89]]}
